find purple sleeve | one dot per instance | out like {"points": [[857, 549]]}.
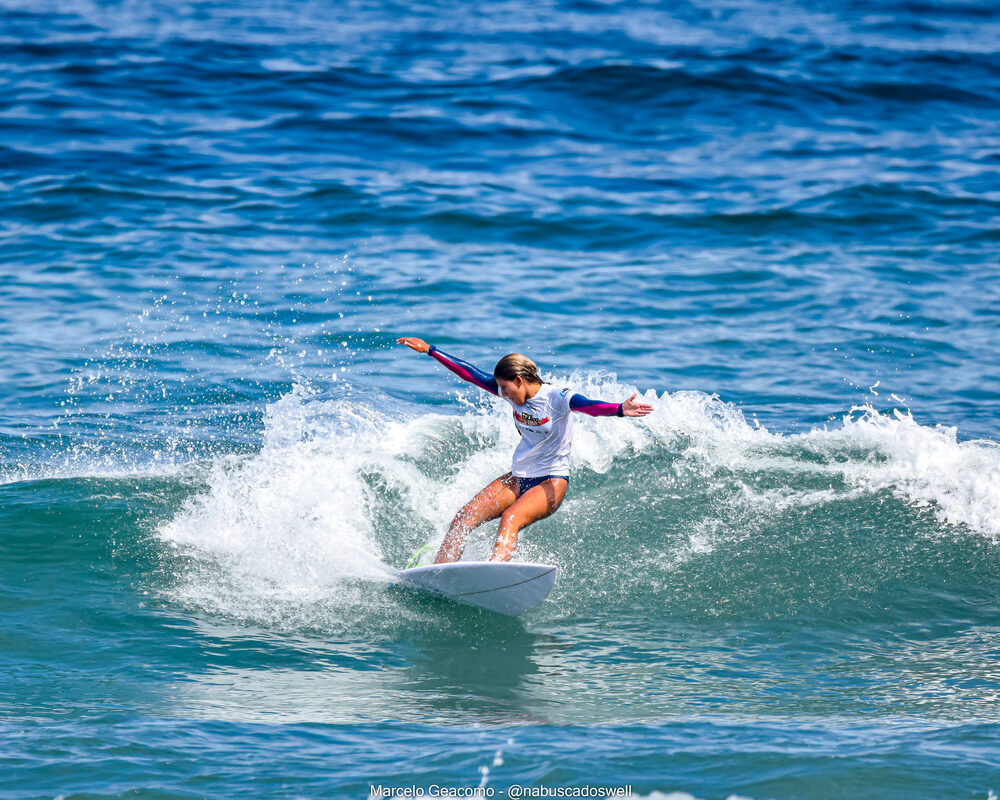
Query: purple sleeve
{"points": [[594, 408], [466, 371]]}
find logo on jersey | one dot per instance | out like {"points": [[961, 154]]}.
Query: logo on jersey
{"points": [[527, 419]]}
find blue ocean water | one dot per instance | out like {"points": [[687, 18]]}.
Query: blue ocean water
{"points": [[777, 221]]}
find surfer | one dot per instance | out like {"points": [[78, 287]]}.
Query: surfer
{"points": [[539, 477]]}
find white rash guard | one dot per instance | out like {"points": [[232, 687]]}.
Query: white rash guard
{"points": [[544, 421]]}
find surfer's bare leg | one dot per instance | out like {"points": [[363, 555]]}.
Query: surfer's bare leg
{"points": [[535, 504], [489, 504]]}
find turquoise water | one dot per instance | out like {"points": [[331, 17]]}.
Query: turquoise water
{"points": [[775, 221]]}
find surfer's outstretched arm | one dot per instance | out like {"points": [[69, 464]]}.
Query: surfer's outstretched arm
{"points": [[464, 370], [599, 408]]}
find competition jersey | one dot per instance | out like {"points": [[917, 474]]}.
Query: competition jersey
{"points": [[544, 421]]}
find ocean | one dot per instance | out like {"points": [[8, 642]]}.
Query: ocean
{"points": [[778, 222]]}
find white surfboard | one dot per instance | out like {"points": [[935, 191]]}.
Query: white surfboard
{"points": [[501, 586]]}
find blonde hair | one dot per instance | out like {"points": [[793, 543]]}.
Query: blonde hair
{"points": [[514, 365]]}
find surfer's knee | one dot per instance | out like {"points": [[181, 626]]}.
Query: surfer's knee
{"points": [[466, 519], [512, 518]]}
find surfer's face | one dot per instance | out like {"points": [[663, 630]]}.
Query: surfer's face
{"points": [[517, 390]]}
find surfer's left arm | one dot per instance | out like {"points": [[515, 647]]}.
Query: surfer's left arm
{"points": [[599, 408]]}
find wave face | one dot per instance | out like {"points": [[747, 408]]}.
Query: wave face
{"points": [[692, 517], [728, 520], [775, 221]]}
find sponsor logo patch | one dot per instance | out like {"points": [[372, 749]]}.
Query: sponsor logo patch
{"points": [[528, 419]]}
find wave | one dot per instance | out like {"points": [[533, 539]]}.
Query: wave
{"points": [[346, 488]]}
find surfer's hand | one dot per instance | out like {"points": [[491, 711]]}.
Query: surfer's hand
{"points": [[414, 343], [632, 409]]}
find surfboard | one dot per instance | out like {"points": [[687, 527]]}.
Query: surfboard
{"points": [[500, 586]]}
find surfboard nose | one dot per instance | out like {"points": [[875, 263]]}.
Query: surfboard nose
{"points": [[504, 587]]}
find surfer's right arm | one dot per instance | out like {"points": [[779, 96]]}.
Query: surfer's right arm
{"points": [[463, 369]]}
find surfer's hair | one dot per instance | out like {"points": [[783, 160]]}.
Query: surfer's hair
{"points": [[514, 365]]}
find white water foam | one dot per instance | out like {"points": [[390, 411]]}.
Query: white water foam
{"points": [[871, 451], [292, 518], [927, 466]]}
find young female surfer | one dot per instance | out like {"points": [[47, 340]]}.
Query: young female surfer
{"points": [[536, 485]]}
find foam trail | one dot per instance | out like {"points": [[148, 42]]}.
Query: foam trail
{"points": [[292, 517]]}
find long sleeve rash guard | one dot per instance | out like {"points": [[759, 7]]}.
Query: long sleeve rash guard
{"points": [[544, 421]]}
